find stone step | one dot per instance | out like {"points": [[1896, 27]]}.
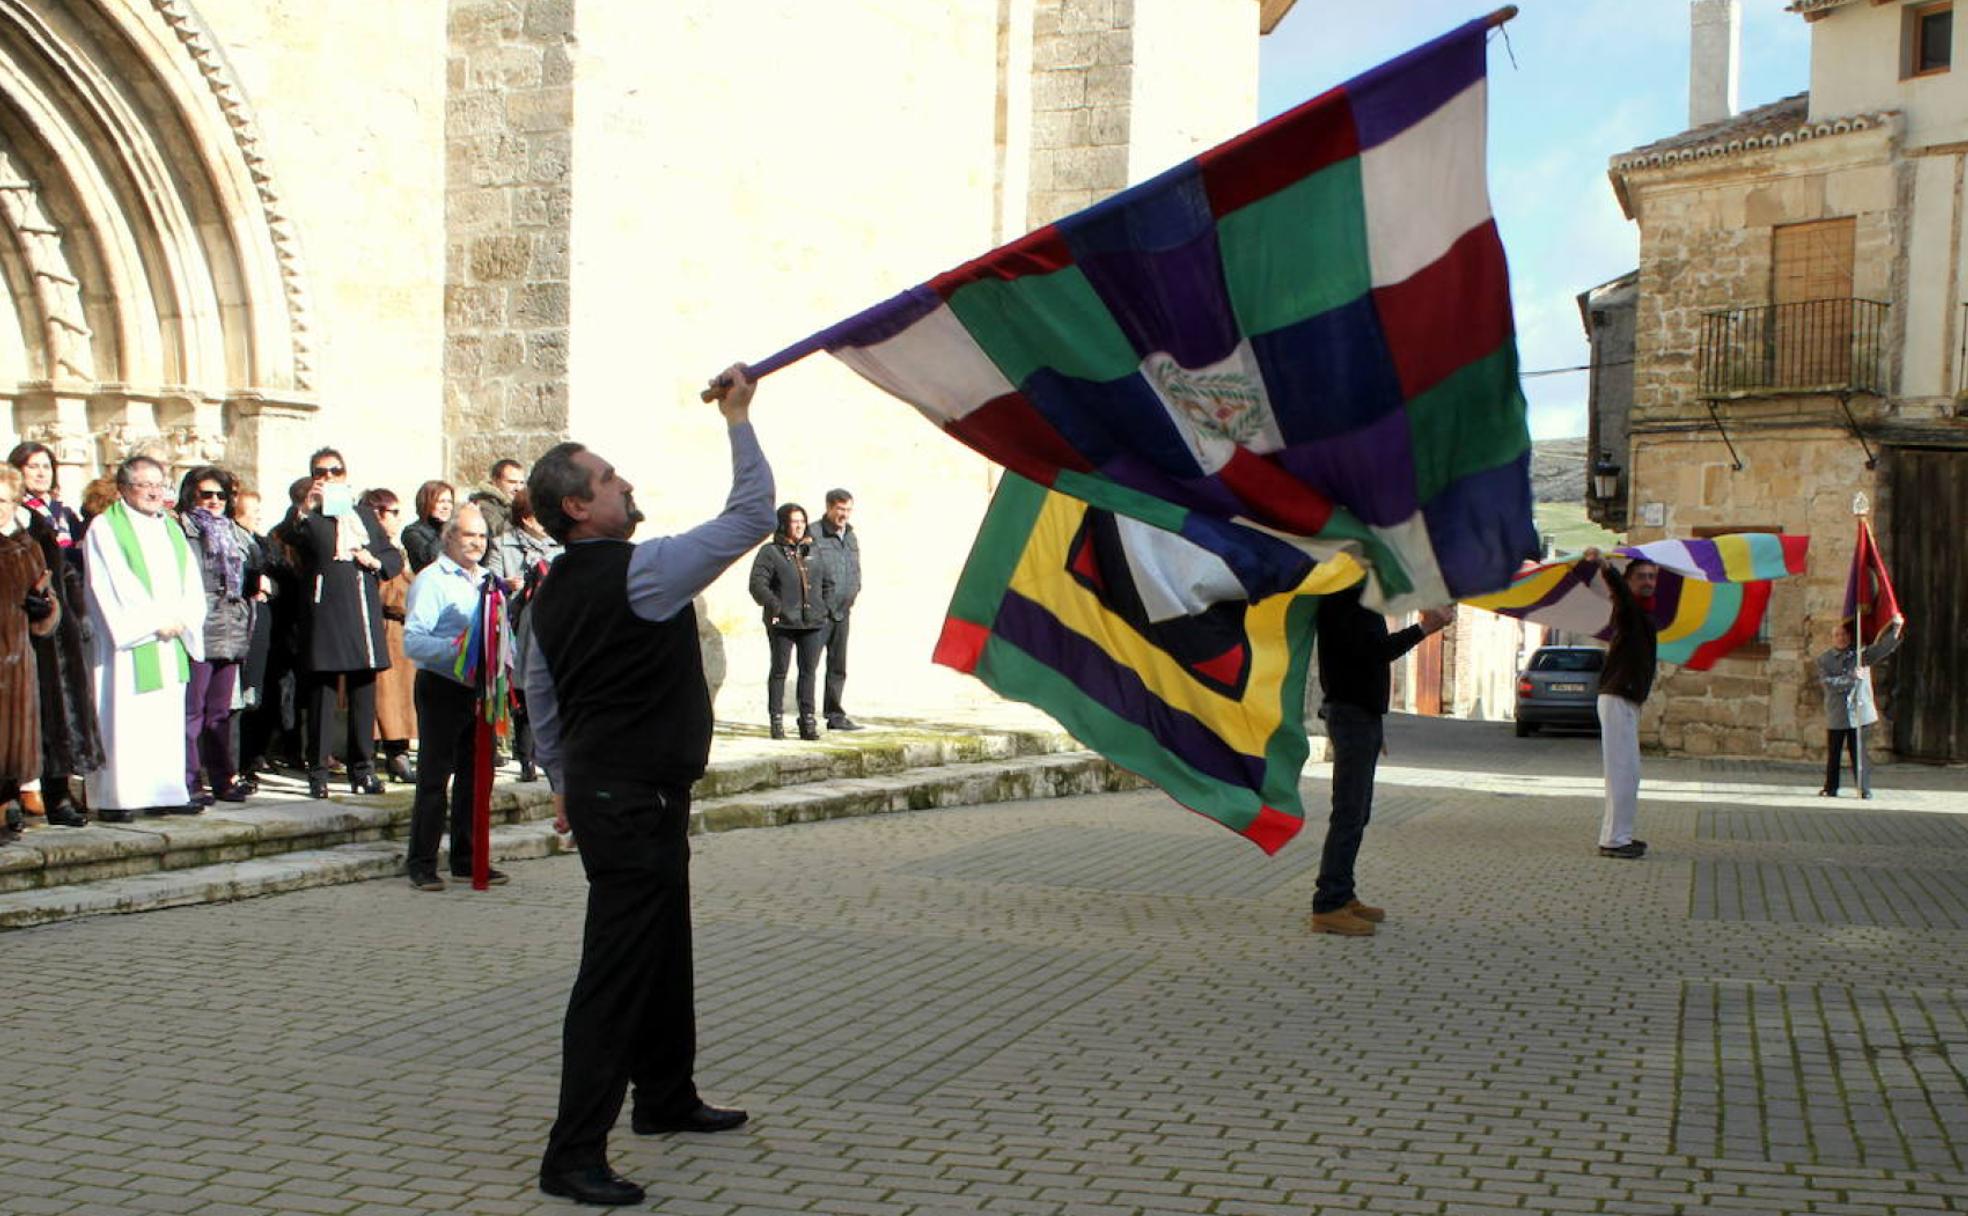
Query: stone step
{"points": [[284, 820], [372, 852]]}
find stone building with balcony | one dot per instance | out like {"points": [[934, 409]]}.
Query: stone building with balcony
{"points": [[1798, 341]]}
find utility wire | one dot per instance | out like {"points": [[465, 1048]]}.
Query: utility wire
{"points": [[1583, 367]]}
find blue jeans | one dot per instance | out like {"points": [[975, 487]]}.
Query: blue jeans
{"points": [[1355, 735]]}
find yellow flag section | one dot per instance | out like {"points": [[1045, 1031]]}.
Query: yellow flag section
{"points": [[1143, 646]]}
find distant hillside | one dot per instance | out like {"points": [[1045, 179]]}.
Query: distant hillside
{"points": [[1558, 470]]}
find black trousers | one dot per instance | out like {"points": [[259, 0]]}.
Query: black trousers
{"points": [[1847, 740], [1355, 735], [836, 666], [784, 642], [632, 1016], [360, 753], [447, 736]]}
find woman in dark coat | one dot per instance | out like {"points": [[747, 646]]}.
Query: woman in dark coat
{"points": [[71, 744], [793, 589], [345, 558], [396, 703], [423, 538], [224, 551], [27, 607]]}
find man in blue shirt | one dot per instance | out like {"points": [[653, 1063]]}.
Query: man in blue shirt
{"points": [[622, 725], [442, 605]]}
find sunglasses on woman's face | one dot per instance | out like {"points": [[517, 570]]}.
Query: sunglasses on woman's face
{"points": [[214, 495]]}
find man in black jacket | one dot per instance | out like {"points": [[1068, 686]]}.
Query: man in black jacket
{"points": [[1354, 652], [622, 725], [840, 550]]}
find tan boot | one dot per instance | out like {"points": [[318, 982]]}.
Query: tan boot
{"points": [[1342, 922], [30, 801], [1366, 911]]}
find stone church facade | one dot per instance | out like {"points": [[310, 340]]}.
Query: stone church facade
{"points": [[438, 232]]}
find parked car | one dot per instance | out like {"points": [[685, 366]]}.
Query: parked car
{"points": [[1560, 687]]}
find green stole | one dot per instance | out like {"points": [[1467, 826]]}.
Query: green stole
{"points": [[149, 658]]}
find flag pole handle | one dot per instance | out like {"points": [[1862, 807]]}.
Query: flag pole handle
{"points": [[1500, 16]]}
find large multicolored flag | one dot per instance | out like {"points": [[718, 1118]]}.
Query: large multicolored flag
{"points": [[1869, 592], [1709, 599], [1296, 342], [1139, 644]]}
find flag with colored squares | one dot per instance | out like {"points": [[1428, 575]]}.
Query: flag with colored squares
{"points": [[1298, 342], [1709, 599], [1140, 644], [1869, 595]]}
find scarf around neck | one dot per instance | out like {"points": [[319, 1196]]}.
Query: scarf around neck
{"points": [[221, 548]]}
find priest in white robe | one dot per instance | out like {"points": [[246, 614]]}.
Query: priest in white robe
{"points": [[147, 604]]}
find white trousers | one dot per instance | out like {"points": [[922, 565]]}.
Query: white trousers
{"points": [[1619, 748]]}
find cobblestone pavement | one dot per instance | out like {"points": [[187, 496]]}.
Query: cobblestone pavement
{"points": [[1094, 1005]]}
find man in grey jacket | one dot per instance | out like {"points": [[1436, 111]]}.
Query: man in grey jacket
{"points": [[840, 551], [1847, 679]]}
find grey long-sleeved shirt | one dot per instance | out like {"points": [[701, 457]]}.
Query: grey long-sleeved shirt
{"points": [[666, 573]]}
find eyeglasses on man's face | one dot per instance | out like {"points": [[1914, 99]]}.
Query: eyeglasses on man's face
{"points": [[328, 470]]}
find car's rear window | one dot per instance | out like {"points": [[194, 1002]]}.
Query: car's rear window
{"points": [[1568, 660]]}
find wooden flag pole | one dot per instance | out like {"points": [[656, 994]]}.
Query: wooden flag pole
{"points": [[1500, 16], [1860, 506]]}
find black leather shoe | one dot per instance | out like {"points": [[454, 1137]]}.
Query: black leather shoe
{"points": [[189, 808], [493, 878], [596, 1184], [706, 1118], [528, 772], [1632, 850], [842, 722], [399, 769], [809, 729], [368, 783], [317, 787], [67, 815], [238, 791], [114, 815]]}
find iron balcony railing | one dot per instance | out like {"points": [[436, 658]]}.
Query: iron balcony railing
{"points": [[1823, 346]]}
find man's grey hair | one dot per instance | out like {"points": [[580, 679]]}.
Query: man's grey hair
{"points": [[126, 473], [556, 478], [455, 524]]}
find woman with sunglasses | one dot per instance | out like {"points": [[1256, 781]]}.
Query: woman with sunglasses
{"points": [[225, 558]]}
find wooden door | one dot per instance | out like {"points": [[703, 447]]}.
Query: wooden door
{"points": [[1928, 687], [1811, 285], [1428, 676]]}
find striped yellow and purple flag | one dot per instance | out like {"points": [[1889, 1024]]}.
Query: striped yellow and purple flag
{"points": [[1138, 643], [1709, 599], [1298, 342]]}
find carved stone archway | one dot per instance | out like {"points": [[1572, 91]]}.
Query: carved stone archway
{"points": [[155, 293]]}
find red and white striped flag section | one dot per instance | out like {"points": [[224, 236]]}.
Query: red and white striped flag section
{"points": [[1869, 589], [484, 662]]}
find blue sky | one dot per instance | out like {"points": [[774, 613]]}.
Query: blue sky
{"points": [[1592, 78]]}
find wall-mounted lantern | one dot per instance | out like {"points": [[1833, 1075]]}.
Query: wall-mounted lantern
{"points": [[1605, 477]]}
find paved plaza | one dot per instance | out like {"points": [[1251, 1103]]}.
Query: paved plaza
{"points": [[1089, 1005]]}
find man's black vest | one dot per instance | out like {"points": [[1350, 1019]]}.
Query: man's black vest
{"points": [[630, 692]]}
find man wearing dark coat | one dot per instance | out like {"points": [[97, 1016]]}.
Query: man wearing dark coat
{"points": [[840, 551], [345, 556]]}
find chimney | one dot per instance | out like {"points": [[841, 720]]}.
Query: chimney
{"points": [[1714, 60]]}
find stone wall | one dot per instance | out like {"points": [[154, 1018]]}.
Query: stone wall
{"points": [[1800, 478], [508, 205], [1082, 84]]}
